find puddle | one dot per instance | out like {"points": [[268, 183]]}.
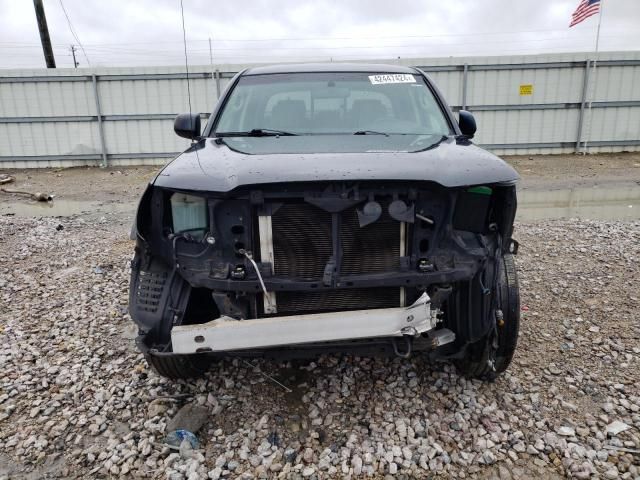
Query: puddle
{"points": [[615, 202], [63, 208]]}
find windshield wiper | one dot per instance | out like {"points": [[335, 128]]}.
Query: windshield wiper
{"points": [[370, 132], [257, 132]]}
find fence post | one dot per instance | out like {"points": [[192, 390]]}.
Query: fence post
{"points": [[218, 82], [465, 72], [103, 149], [585, 88]]}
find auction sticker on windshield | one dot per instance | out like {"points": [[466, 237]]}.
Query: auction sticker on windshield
{"points": [[391, 78]]}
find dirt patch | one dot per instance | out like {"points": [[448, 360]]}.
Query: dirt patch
{"points": [[569, 171]]}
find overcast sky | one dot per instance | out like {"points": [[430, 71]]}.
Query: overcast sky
{"points": [[149, 32]]}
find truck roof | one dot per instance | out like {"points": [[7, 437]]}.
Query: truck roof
{"points": [[328, 67]]}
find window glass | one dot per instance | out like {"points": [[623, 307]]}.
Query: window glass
{"points": [[339, 103]]}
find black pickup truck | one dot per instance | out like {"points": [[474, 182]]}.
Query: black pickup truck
{"points": [[328, 208]]}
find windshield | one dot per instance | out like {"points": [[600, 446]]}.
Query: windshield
{"points": [[332, 103]]}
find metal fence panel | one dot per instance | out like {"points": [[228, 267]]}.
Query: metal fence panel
{"points": [[517, 126], [26, 99], [46, 138], [134, 136], [120, 116]]}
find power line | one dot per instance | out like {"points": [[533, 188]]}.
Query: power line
{"points": [[298, 51], [117, 46], [73, 32], [196, 51], [329, 38], [325, 38]]}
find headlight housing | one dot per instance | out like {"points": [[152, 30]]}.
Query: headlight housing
{"points": [[189, 214]]}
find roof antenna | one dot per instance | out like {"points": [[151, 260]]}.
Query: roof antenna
{"points": [[186, 62]]}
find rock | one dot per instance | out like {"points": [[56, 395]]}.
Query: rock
{"points": [[308, 471], [215, 473], [612, 473], [190, 417], [307, 455], [186, 450], [290, 455], [616, 427], [156, 408], [566, 431], [488, 457], [553, 369], [356, 463], [503, 473], [520, 447], [324, 464], [583, 431]]}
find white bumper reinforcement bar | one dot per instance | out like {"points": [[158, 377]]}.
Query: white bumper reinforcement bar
{"points": [[224, 333]]}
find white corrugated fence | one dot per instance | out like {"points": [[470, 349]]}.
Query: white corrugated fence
{"points": [[124, 116]]}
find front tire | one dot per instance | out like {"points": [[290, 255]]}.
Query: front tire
{"points": [[490, 356], [179, 367]]}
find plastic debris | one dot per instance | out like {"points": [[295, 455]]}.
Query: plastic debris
{"points": [[4, 179], [174, 439]]}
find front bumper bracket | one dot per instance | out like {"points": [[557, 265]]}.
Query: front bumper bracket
{"points": [[227, 334]]}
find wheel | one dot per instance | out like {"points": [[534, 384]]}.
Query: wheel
{"points": [[490, 356], [177, 367]]}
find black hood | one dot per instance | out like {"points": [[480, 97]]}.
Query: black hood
{"points": [[221, 167]]}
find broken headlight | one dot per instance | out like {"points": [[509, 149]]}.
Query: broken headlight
{"points": [[189, 214]]}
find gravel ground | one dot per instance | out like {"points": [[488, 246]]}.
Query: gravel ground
{"points": [[78, 401]]}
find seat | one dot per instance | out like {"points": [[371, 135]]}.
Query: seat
{"points": [[288, 115], [366, 112]]}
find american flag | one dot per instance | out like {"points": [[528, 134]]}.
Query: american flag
{"points": [[584, 11]]}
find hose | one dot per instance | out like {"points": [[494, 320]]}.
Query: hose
{"points": [[242, 251]]}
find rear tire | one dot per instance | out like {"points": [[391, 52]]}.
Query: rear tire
{"points": [[179, 367], [483, 359]]}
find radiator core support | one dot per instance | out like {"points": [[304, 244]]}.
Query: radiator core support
{"points": [[265, 230]]}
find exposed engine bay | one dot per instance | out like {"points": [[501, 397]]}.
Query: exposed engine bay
{"points": [[221, 273]]}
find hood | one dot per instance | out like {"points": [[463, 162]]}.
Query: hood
{"points": [[221, 167]]}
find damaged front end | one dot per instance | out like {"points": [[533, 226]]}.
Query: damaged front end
{"points": [[302, 268]]}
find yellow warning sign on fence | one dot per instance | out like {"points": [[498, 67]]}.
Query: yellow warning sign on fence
{"points": [[526, 89]]}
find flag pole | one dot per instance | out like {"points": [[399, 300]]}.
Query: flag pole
{"points": [[593, 75]]}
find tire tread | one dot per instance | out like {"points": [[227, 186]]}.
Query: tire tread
{"points": [[178, 367]]}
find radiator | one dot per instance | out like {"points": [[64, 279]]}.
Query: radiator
{"points": [[301, 236]]}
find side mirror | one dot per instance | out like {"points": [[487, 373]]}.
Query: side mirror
{"points": [[467, 123], [187, 125]]}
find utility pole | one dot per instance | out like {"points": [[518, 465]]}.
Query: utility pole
{"points": [[44, 34], [73, 52], [214, 76]]}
